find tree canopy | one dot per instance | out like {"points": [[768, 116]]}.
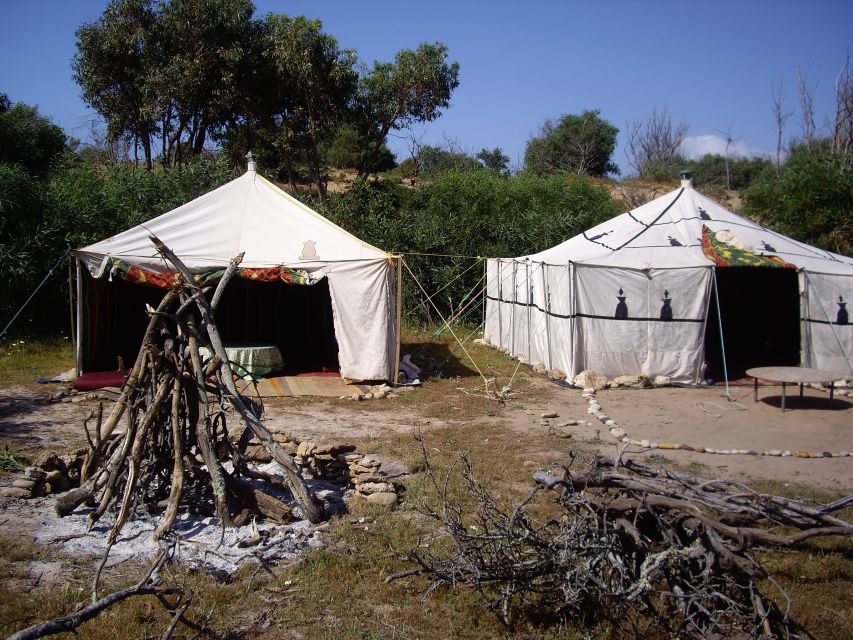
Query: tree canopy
{"points": [[578, 144], [180, 72], [415, 87]]}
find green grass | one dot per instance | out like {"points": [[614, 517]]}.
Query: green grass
{"points": [[24, 360], [12, 461]]}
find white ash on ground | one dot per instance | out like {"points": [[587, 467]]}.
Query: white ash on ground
{"points": [[197, 537]]}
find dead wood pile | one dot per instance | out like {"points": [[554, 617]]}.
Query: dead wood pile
{"points": [[640, 547], [180, 448]]}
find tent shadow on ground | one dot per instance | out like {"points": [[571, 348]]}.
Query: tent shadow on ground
{"points": [[437, 359], [793, 402], [11, 406]]}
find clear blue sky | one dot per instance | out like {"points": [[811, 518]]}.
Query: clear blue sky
{"points": [[712, 63]]}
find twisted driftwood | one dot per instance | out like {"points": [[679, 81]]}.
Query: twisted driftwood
{"points": [[176, 439], [625, 542]]}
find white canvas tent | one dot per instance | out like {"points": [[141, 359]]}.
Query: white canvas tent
{"points": [[636, 295], [283, 240]]}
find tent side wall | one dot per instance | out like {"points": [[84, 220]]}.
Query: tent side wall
{"points": [[528, 311], [651, 322], [827, 333], [613, 320]]}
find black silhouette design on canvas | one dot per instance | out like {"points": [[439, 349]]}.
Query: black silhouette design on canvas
{"points": [[621, 308], [703, 214], [842, 317], [666, 309], [674, 243]]}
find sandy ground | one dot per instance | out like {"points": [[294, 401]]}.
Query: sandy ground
{"points": [[699, 417]]}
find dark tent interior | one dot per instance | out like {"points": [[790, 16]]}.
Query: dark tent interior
{"points": [[296, 318], [760, 309]]}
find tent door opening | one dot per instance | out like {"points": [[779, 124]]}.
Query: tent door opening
{"points": [[760, 310], [297, 319]]}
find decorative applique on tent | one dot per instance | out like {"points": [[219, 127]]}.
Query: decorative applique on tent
{"points": [[725, 254], [666, 309], [135, 275], [622, 307]]}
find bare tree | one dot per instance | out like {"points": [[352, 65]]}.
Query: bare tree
{"points": [[780, 117], [654, 142], [415, 144], [842, 130], [729, 141], [806, 93]]}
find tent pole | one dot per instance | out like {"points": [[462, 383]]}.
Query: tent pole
{"points": [[78, 348], [527, 297], [831, 326], [720, 325], [547, 315], [512, 310], [71, 303], [485, 291], [399, 317], [500, 304]]}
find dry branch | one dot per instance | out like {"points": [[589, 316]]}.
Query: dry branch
{"points": [[149, 585], [626, 542]]}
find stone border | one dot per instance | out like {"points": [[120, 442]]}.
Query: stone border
{"points": [[596, 410]]}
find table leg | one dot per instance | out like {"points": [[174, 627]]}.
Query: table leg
{"points": [[801, 389], [831, 390], [755, 390], [783, 397]]}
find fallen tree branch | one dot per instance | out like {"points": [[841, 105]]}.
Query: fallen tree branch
{"points": [[150, 584], [620, 540]]}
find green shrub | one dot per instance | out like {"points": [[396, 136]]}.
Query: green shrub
{"points": [[444, 225]]}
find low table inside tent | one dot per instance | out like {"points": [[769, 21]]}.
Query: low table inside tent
{"points": [[793, 375], [251, 360]]}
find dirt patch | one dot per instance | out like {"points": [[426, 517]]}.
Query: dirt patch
{"points": [[700, 417], [703, 417]]}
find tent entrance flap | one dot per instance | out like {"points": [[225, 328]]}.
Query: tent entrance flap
{"points": [[297, 319], [760, 309]]}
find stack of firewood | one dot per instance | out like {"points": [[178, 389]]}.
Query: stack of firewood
{"points": [[186, 428], [650, 550]]}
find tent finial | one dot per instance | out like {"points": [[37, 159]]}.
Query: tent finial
{"points": [[251, 160], [686, 178]]}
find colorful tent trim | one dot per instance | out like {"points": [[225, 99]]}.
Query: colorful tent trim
{"points": [[135, 275], [273, 274], [726, 255]]}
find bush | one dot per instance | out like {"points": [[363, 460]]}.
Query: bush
{"points": [[811, 200], [78, 204], [466, 214]]}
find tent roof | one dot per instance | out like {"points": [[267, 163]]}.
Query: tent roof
{"points": [[249, 214], [667, 233]]}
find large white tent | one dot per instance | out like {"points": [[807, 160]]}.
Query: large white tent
{"points": [[285, 244], [636, 295]]}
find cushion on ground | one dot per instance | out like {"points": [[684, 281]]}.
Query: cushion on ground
{"points": [[98, 380]]}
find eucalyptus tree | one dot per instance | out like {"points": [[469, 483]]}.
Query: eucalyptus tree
{"points": [[313, 83], [113, 64], [170, 69], [414, 88], [205, 51]]}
